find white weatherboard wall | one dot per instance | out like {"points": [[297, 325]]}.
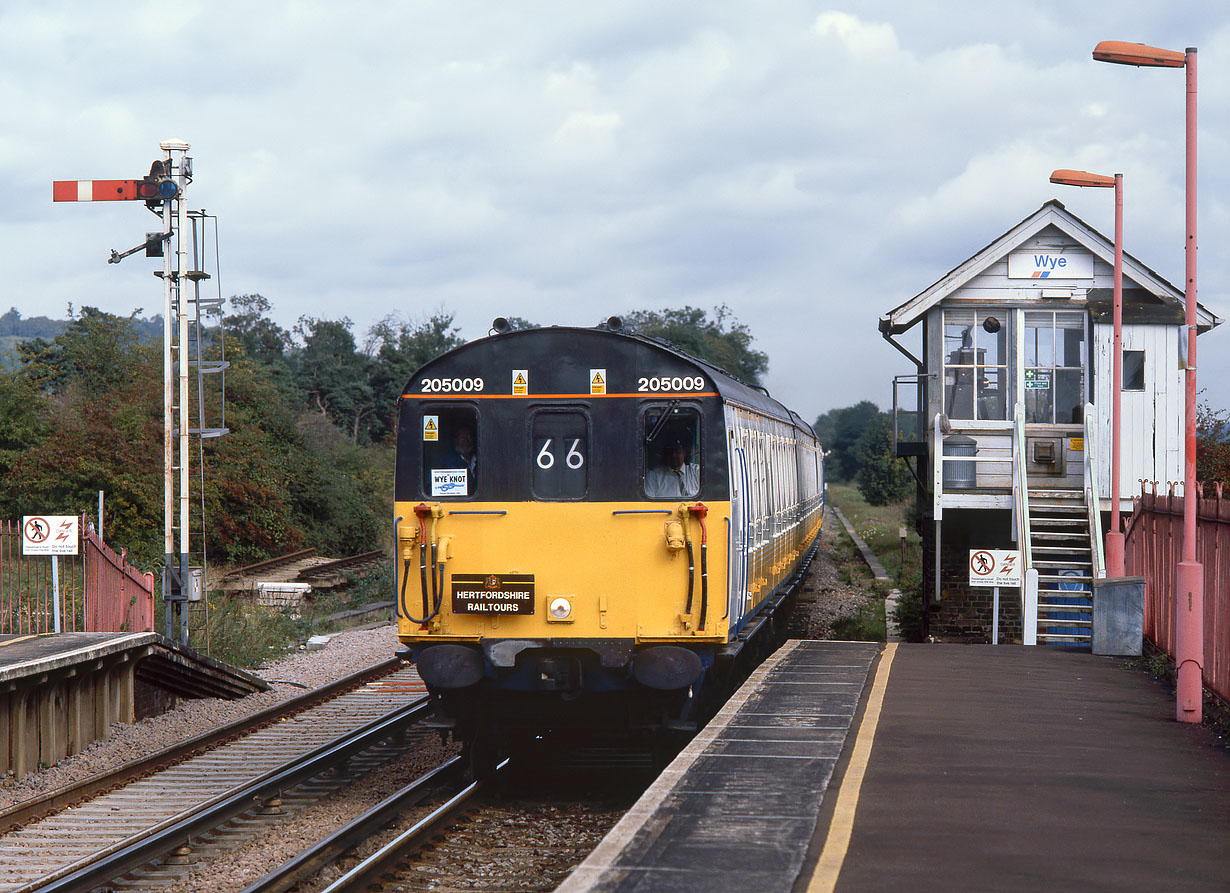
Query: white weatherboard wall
{"points": [[1152, 428]]}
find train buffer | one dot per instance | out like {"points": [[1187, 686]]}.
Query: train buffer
{"points": [[862, 767]]}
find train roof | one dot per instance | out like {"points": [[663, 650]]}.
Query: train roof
{"points": [[601, 341]]}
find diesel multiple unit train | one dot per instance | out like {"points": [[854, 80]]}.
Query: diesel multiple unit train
{"points": [[591, 527]]}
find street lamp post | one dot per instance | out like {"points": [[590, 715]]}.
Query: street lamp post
{"points": [[1189, 576], [1114, 537]]}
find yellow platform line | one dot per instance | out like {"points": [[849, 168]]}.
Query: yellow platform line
{"points": [[824, 879], [16, 640]]}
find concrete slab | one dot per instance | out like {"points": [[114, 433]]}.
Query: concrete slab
{"points": [[1019, 768], [736, 809]]}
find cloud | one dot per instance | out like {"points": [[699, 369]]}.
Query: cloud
{"points": [[809, 167]]}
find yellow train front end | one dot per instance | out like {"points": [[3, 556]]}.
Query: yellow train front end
{"points": [[579, 540], [555, 614]]}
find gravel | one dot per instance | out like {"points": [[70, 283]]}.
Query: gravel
{"points": [[825, 600], [345, 653]]}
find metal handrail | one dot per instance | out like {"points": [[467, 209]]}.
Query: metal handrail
{"points": [[1020, 493], [1096, 552], [937, 470], [1020, 487]]}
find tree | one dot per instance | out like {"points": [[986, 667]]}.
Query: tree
{"points": [[881, 478], [251, 330], [334, 375], [721, 340], [839, 430], [97, 426], [96, 350], [1212, 444], [399, 347]]}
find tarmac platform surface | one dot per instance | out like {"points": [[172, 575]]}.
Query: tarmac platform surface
{"points": [[965, 767]]}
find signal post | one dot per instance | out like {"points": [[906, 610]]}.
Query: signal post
{"points": [[162, 190]]}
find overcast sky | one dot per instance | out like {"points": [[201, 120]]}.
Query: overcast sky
{"points": [[809, 164]]}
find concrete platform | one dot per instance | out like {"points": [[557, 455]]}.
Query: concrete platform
{"points": [[737, 808], [965, 768], [1018, 768], [60, 692]]}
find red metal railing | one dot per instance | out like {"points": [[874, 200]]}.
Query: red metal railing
{"points": [[27, 598], [99, 590], [1153, 549], [119, 598]]}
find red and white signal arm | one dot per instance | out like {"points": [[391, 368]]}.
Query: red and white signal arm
{"points": [[49, 535], [994, 567]]}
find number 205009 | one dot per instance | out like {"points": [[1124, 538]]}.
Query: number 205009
{"points": [[450, 385], [676, 383]]}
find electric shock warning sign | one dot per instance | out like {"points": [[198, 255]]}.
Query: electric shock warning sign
{"points": [[493, 593], [49, 535], [520, 382], [994, 567], [597, 381]]}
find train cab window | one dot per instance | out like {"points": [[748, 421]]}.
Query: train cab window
{"points": [[672, 452], [559, 441], [450, 451]]}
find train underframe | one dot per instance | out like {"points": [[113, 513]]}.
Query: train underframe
{"points": [[502, 695]]}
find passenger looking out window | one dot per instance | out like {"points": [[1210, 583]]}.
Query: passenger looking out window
{"points": [[462, 454], [450, 452], [672, 439]]}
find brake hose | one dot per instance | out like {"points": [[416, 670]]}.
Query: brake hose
{"points": [[700, 510], [429, 610]]}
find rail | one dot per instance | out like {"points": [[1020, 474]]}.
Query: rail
{"points": [[1097, 552], [370, 870], [37, 807], [1024, 535], [1153, 547], [342, 564], [151, 843], [937, 467], [316, 857]]}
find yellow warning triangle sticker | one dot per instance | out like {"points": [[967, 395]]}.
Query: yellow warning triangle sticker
{"points": [[430, 426], [597, 378], [519, 380]]}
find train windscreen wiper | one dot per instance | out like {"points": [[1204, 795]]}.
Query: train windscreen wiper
{"points": [[661, 423]]}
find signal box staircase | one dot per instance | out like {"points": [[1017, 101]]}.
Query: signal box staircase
{"points": [[1060, 545]]}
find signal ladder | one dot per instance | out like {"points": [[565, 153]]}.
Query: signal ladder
{"points": [[206, 410]]}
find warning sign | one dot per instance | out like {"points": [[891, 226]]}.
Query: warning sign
{"points": [[597, 381], [49, 535], [520, 382], [431, 427], [994, 567]]}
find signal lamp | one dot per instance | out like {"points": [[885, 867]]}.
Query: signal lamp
{"points": [[155, 191]]}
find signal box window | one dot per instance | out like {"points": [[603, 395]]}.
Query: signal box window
{"points": [[672, 453], [450, 451], [1133, 370], [559, 442]]}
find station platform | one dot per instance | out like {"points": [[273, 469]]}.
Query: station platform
{"points": [[861, 767], [60, 692]]}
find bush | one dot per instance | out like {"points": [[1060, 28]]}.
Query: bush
{"points": [[882, 479], [246, 635], [909, 611]]}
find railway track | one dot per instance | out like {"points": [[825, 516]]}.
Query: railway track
{"points": [[169, 809], [471, 837]]}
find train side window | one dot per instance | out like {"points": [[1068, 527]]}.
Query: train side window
{"points": [[450, 451], [672, 452], [559, 442]]}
